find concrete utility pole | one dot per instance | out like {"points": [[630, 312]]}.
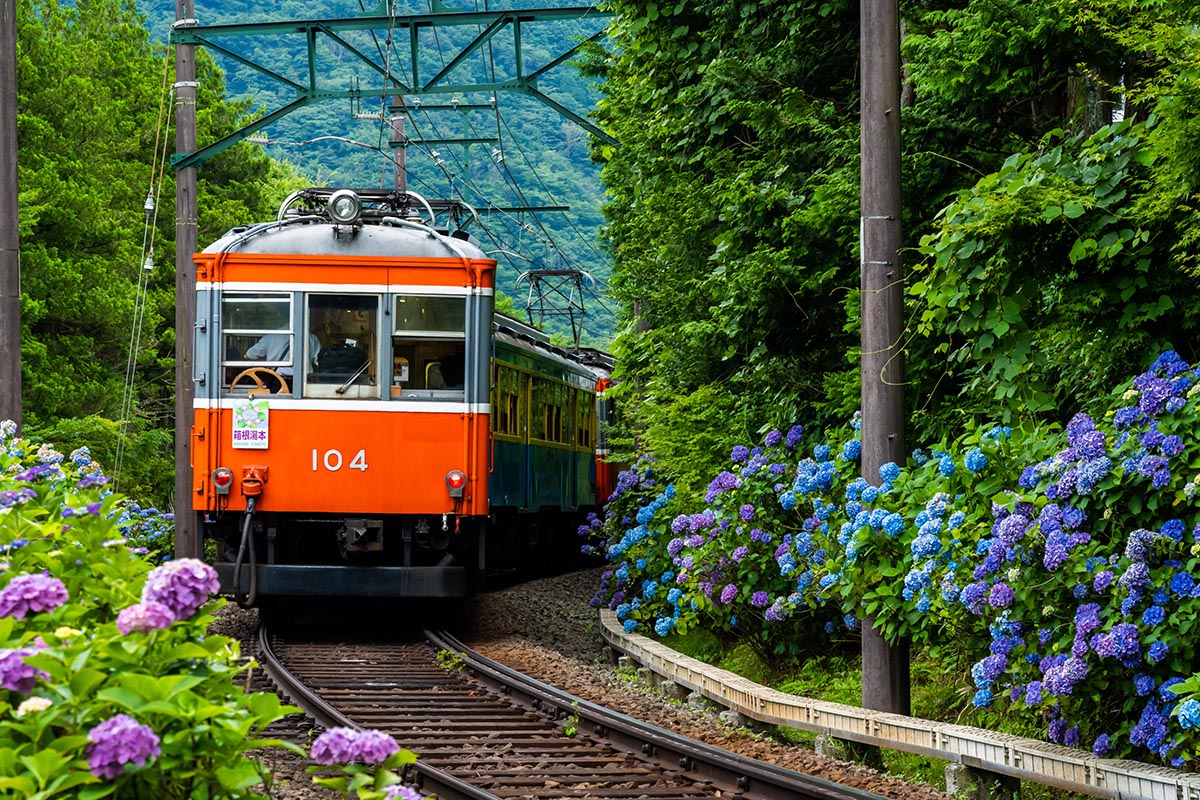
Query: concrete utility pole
{"points": [[187, 537], [885, 677], [10, 238]]}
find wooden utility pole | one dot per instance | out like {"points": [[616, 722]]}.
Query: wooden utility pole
{"points": [[10, 238], [187, 536], [885, 677]]}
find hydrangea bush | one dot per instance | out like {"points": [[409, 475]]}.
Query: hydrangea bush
{"points": [[108, 684], [1064, 561]]}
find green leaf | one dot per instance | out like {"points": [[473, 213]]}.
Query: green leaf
{"points": [[1073, 210], [44, 764], [239, 777], [85, 680]]}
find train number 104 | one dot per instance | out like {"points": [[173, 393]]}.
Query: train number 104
{"points": [[333, 460]]}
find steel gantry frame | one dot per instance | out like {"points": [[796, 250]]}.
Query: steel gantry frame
{"points": [[188, 31], [187, 34]]}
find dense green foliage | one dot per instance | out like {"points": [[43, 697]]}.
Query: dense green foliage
{"points": [[1049, 197], [94, 131]]}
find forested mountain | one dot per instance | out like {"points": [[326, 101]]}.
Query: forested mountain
{"points": [[1050, 197], [530, 156]]}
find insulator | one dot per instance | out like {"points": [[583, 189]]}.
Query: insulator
{"points": [[149, 206]]}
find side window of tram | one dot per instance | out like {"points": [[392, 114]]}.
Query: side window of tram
{"points": [[585, 419], [428, 346], [341, 346], [256, 337], [506, 416], [549, 400]]}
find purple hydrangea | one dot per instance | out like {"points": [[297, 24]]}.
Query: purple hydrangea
{"points": [[144, 617], [349, 746], [31, 594], [728, 593], [119, 741], [399, 791], [759, 599], [182, 586], [15, 674], [1001, 595], [794, 435]]}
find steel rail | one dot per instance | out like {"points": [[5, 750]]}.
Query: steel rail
{"points": [[500, 725], [431, 780], [736, 775]]}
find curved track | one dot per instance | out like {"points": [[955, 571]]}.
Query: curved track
{"points": [[483, 730]]}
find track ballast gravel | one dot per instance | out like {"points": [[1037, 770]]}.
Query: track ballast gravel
{"points": [[546, 629]]}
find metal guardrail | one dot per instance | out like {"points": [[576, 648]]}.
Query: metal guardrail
{"points": [[1026, 759]]}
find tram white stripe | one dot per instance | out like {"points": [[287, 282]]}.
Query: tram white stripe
{"points": [[389, 406]]}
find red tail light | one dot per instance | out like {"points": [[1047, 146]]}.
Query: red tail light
{"points": [[455, 482], [222, 479]]}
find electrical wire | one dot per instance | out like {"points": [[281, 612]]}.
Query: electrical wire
{"points": [[145, 270]]}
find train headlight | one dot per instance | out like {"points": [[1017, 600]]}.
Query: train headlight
{"points": [[456, 481], [222, 478], [344, 206]]}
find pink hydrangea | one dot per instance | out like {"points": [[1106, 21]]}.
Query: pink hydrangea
{"points": [[144, 617], [31, 593], [182, 586], [118, 741]]}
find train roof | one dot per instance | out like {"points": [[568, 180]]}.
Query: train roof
{"points": [[530, 338], [386, 224]]}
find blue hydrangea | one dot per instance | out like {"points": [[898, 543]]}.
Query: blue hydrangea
{"points": [[975, 460], [1153, 616], [1189, 714]]}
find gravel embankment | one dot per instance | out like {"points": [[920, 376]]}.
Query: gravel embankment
{"points": [[546, 629]]}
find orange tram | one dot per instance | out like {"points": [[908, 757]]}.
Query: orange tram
{"points": [[365, 425]]}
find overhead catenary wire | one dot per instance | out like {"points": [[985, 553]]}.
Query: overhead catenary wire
{"points": [[456, 173], [144, 273]]}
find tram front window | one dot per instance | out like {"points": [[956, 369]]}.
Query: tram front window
{"points": [[257, 342], [342, 358], [429, 347]]}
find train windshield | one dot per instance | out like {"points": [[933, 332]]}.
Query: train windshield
{"points": [[341, 358], [257, 341], [428, 347]]}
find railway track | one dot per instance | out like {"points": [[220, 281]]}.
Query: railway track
{"points": [[485, 731]]}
